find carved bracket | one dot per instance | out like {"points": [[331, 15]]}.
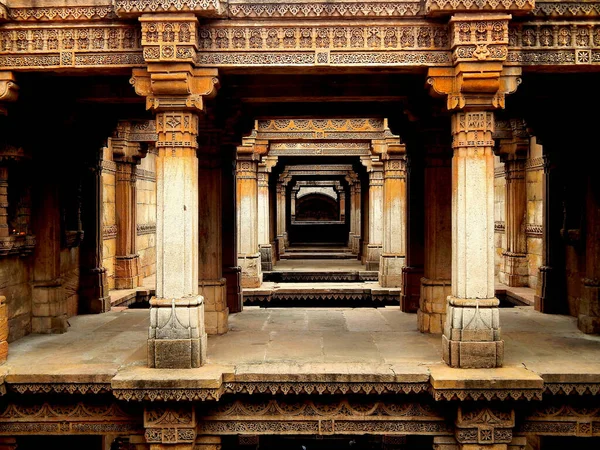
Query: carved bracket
{"points": [[9, 91]]}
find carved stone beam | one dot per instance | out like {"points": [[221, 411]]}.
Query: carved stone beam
{"points": [[200, 8], [478, 427], [445, 7], [173, 428], [9, 91], [478, 79]]}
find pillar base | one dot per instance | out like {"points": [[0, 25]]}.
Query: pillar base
{"points": [[411, 288], [280, 245], [390, 269], [177, 337], [373, 256], [127, 272], [432, 305], [266, 257], [251, 270], [216, 313], [588, 320], [515, 269], [49, 309], [471, 336], [94, 290]]}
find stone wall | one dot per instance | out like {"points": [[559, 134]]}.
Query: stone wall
{"points": [[109, 220], [15, 277], [146, 214]]}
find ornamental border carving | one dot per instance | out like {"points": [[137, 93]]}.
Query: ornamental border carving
{"points": [[61, 388], [110, 232], [146, 228], [51, 13], [534, 230], [487, 394], [286, 388], [325, 10]]}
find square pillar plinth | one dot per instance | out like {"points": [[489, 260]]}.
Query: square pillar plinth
{"points": [[216, 312], [127, 272], [251, 270], [390, 270], [177, 337], [471, 336], [373, 256]]}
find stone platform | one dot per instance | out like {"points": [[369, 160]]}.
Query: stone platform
{"points": [[319, 270], [327, 349]]}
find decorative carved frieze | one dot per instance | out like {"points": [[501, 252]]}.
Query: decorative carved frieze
{"points": [[175, 425], [146, 228], [488, 426], [110, 232], [535, 163], [294, 10], [319, 148], [291, 388], [499, 226], [346, 416], [204, 8], [453, 6], [168, 395], [169, 38], [569, 9], [143, 174], [554, 43], [137, 130], [487, 394], [109, 166], [60, 388], [563, 419], [534, 230], [46, 46], [62, 13]]}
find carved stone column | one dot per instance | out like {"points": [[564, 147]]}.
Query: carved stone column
{"points": [[127, 262], [281, 214], [264, 243], [588, 320], [247, 220], [176, 91], [513, 147], [475, 85], [293, 195], [171, 426], [211, 284], [3, 330], [93, 286], [49, 304], [375, 243], [393, 256], [342, 197], [435, 284]]}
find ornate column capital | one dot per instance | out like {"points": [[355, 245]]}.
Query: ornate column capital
{"points": [[512, 139], [9, 90], [478, 79]]}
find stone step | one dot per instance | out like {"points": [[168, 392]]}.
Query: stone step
{"points": [[353, 294], [317, 255], [305, 276]]}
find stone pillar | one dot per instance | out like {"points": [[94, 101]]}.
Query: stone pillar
{"points": [[474, 87], [264, 243], [435, 284], [208, 443], [293, 195], [472, 330], [588, 319], [393, 256], [93, 286], [173, 427], [127, 261], [3, 330], [247, 220], [513, 147], [49, 304], [550, 295], [342, 197], [375, 244], [281, 228], [176, 91], [4, 231], [211, 284], [356, 217]]}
